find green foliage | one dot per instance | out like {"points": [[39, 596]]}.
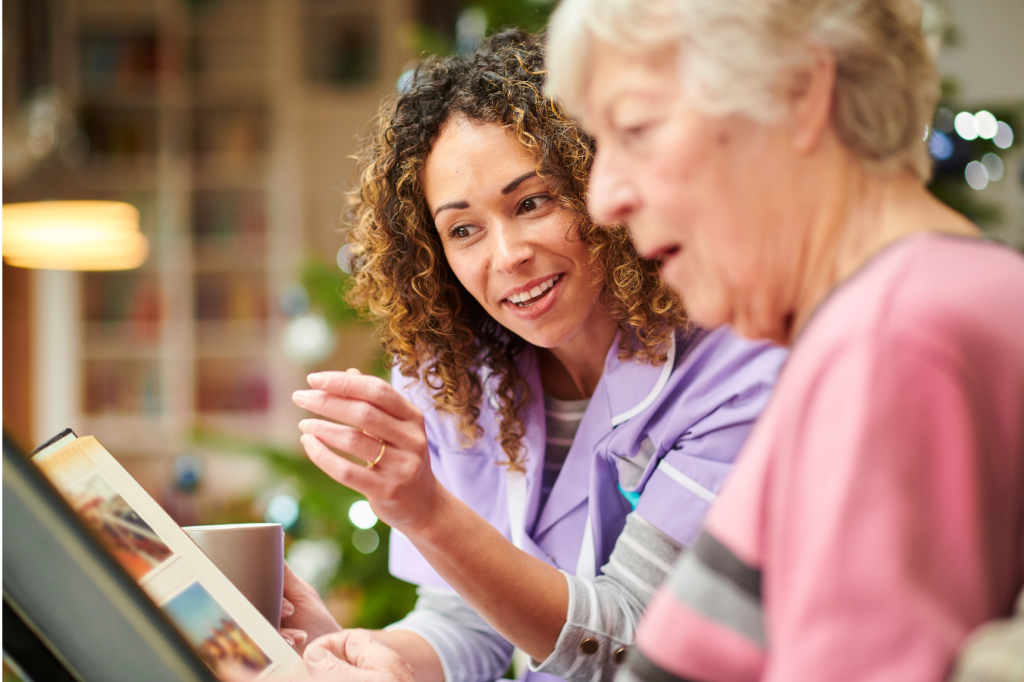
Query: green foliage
{"points": [[959, 196], [529, 15], [323, 513], [327, 286], [428, 41]]}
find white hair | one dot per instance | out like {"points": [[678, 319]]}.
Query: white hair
{"points": [[738, 57]]}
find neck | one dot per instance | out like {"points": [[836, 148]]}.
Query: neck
{"points": [[572, 371], [859, 214]]}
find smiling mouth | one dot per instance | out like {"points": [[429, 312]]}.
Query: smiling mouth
{"points": [[528, 298]]}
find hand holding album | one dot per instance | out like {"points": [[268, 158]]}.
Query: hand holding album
{"points": [[304, 616]]}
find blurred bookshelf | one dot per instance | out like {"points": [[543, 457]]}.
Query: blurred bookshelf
{"points": [[175, 102]]}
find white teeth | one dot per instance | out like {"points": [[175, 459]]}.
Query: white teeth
{"points": [[520, 299]]}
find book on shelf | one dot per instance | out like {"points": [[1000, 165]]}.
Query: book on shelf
{"points": [[120, 62], [122, 386], [223, 627]]}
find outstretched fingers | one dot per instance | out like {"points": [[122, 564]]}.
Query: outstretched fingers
{"points": [[352, 475], [355, 442], [358, 413], [373, 390]]}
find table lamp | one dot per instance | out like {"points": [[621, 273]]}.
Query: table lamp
{"points": [[73, 235]]}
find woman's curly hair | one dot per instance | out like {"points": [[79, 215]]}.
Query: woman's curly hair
{"points": [[432, 327]]}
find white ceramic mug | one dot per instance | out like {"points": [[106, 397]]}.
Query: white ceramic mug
{"points": [[251, 555]]}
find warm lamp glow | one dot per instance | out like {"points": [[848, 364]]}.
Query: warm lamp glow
{"points": [[73, 235]]}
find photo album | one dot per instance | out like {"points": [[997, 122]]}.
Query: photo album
{"points": [[225, 629]]}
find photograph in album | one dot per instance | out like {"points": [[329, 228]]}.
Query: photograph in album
{"points": [[217, 638], [121, 530]]}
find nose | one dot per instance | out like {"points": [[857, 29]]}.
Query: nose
{"points": [[512, 247], [611, 197]]}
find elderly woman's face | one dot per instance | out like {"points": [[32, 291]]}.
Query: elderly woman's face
{"points": [[697, 192], [506, 237]]}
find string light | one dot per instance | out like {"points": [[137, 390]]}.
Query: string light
{"points": [[976, 175]]}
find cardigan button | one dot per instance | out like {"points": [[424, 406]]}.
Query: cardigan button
{"points": [[589, 646], [620, 655]]}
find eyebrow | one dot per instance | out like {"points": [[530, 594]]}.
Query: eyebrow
{"points": [[511, 187], [507, 189], [451, 204]]}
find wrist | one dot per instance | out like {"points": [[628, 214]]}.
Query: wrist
{"points": [[434, 515]]}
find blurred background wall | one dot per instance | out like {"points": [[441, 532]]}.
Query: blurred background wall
{"points": [[229, 124]]}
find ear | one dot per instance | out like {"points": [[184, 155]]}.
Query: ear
{"points": [[810, 98]]}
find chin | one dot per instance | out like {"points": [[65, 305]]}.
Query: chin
{"points": [[705, 311], [542, 339]]}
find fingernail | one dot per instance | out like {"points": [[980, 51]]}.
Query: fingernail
{"points": [[287, 608], [300, 637], [316, 380], [304, 424], [300, 398], [315, 654], [288, 640]]}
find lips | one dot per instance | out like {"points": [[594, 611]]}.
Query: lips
{"points": [[526, 298], [533, 307]]}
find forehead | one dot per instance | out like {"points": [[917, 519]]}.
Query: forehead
{"points": [[616, 74], [473, 155]]}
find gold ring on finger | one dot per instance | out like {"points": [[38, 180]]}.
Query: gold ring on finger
{"points": [[379, 455]]}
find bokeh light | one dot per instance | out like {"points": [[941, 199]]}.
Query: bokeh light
{"points": [[994, 165], [315, 561], [1004, 135], [294, 300], [283, 509], [965, 125], [976, 175], [940, 146], [345, 259], [308, 339], [986, 124], [361, 515], [365, 540]]}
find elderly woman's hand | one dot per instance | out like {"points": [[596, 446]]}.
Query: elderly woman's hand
{"points": [[372, 421], [355, 656], [304, 616]]}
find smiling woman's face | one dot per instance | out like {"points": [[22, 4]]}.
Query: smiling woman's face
{"points": [[506, 237]]}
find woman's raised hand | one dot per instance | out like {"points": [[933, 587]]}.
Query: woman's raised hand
{"points": [[367, 418]]}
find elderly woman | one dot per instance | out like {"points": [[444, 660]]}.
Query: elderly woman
{"points": [[555, 431], [770, 153]]}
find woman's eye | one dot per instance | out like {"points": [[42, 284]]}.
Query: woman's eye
{"points": [[534, 203], [460, 231], [633, 133]]}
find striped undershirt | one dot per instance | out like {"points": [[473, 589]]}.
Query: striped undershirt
{"points": [[562, 418]]}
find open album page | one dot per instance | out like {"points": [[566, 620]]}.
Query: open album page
{"points": [[226, 630]]}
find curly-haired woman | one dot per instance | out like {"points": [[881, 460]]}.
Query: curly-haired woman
{"points": [[551, 412]]}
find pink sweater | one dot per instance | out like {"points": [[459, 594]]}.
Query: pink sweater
{"points": [[876, 515]]}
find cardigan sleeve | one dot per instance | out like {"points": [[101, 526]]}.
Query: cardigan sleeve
{"points": [[603, 612], [469, 649]]}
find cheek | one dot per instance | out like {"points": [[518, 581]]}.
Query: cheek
{"points": [[470, 275]]}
